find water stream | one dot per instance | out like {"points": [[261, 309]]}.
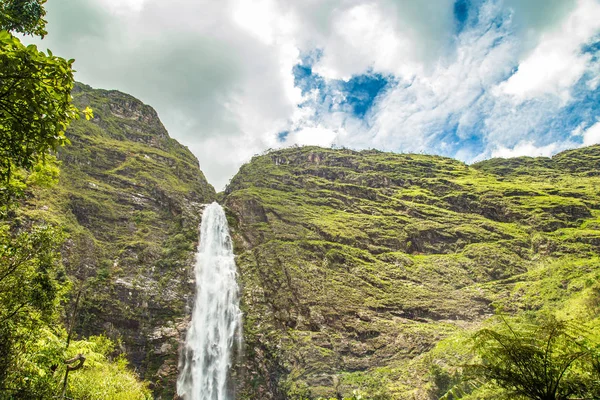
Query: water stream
{"points": [[213, 334]]}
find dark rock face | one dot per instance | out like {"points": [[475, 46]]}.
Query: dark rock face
{"points": [[131, 199], [356, 265]]}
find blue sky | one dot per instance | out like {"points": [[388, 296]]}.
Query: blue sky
{"points": [[470, 79], [531, 118]]}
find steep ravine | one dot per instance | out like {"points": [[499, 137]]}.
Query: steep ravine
{"points": [[130, 198], [356, 265]]}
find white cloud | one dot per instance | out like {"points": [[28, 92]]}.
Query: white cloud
{"points": [[416, 116], [591, 135], [526, 148], [258, 17], [413, 115], [313, 136], [364, 37], [557, 62], [578, 131]]}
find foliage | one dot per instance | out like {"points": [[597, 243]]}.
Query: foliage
{"points": [[35, 111], [102, 378], [35, 104], [40, 370], [23, 16], [32, 283], [44, 174], [545, 360], [356, 395], [34, 373]]}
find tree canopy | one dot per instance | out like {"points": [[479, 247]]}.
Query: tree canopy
{"points": [[35, 103], [23, 16], [35, 111], [540, 360]]}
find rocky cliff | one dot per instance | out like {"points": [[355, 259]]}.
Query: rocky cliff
{"points": [[362, 270], [359, 270], [129, 197]]}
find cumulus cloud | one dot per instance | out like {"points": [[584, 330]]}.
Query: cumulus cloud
{"points": [[591, 135], [390, 37], [526, 148], [491, 98], [415, 115], [467, 78], [557, 62]]}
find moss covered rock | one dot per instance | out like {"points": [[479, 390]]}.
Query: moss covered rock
{"points": [[130, 198], [357, 266]]}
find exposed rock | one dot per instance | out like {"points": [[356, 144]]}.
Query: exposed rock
{"points": [[356, 265], [131, 198]]}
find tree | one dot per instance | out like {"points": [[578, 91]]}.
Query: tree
{"points": [[35, 104], [35, 91], [32, 283], [23, 16], [544, 360], [35, 110]]}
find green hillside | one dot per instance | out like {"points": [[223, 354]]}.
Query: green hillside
{"points": [[361, 272], [366, 270], [130, 200]]}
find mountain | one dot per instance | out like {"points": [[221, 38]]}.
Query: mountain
{"points": [[363, 271], [130, 198], [366, 270]]}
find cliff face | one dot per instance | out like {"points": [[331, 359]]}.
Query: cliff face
{"points": [[130, 198], [360, 269]]}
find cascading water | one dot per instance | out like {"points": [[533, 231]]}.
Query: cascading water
{"points": [[214, 332]]}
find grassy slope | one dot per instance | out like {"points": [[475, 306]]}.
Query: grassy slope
{"points": [[129, 197], [363, 269]]}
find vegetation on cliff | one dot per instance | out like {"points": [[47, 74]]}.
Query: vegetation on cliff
{"points": [[35, 110], [129, 198], [119, 207], [96, 237], [369, 271]]}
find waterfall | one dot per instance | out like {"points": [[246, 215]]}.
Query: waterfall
{"points": [[214, 331]]}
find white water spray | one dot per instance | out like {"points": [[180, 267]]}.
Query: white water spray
{"points": [[214, 331]]}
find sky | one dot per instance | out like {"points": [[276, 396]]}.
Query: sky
{"points": [[469, 79]]}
